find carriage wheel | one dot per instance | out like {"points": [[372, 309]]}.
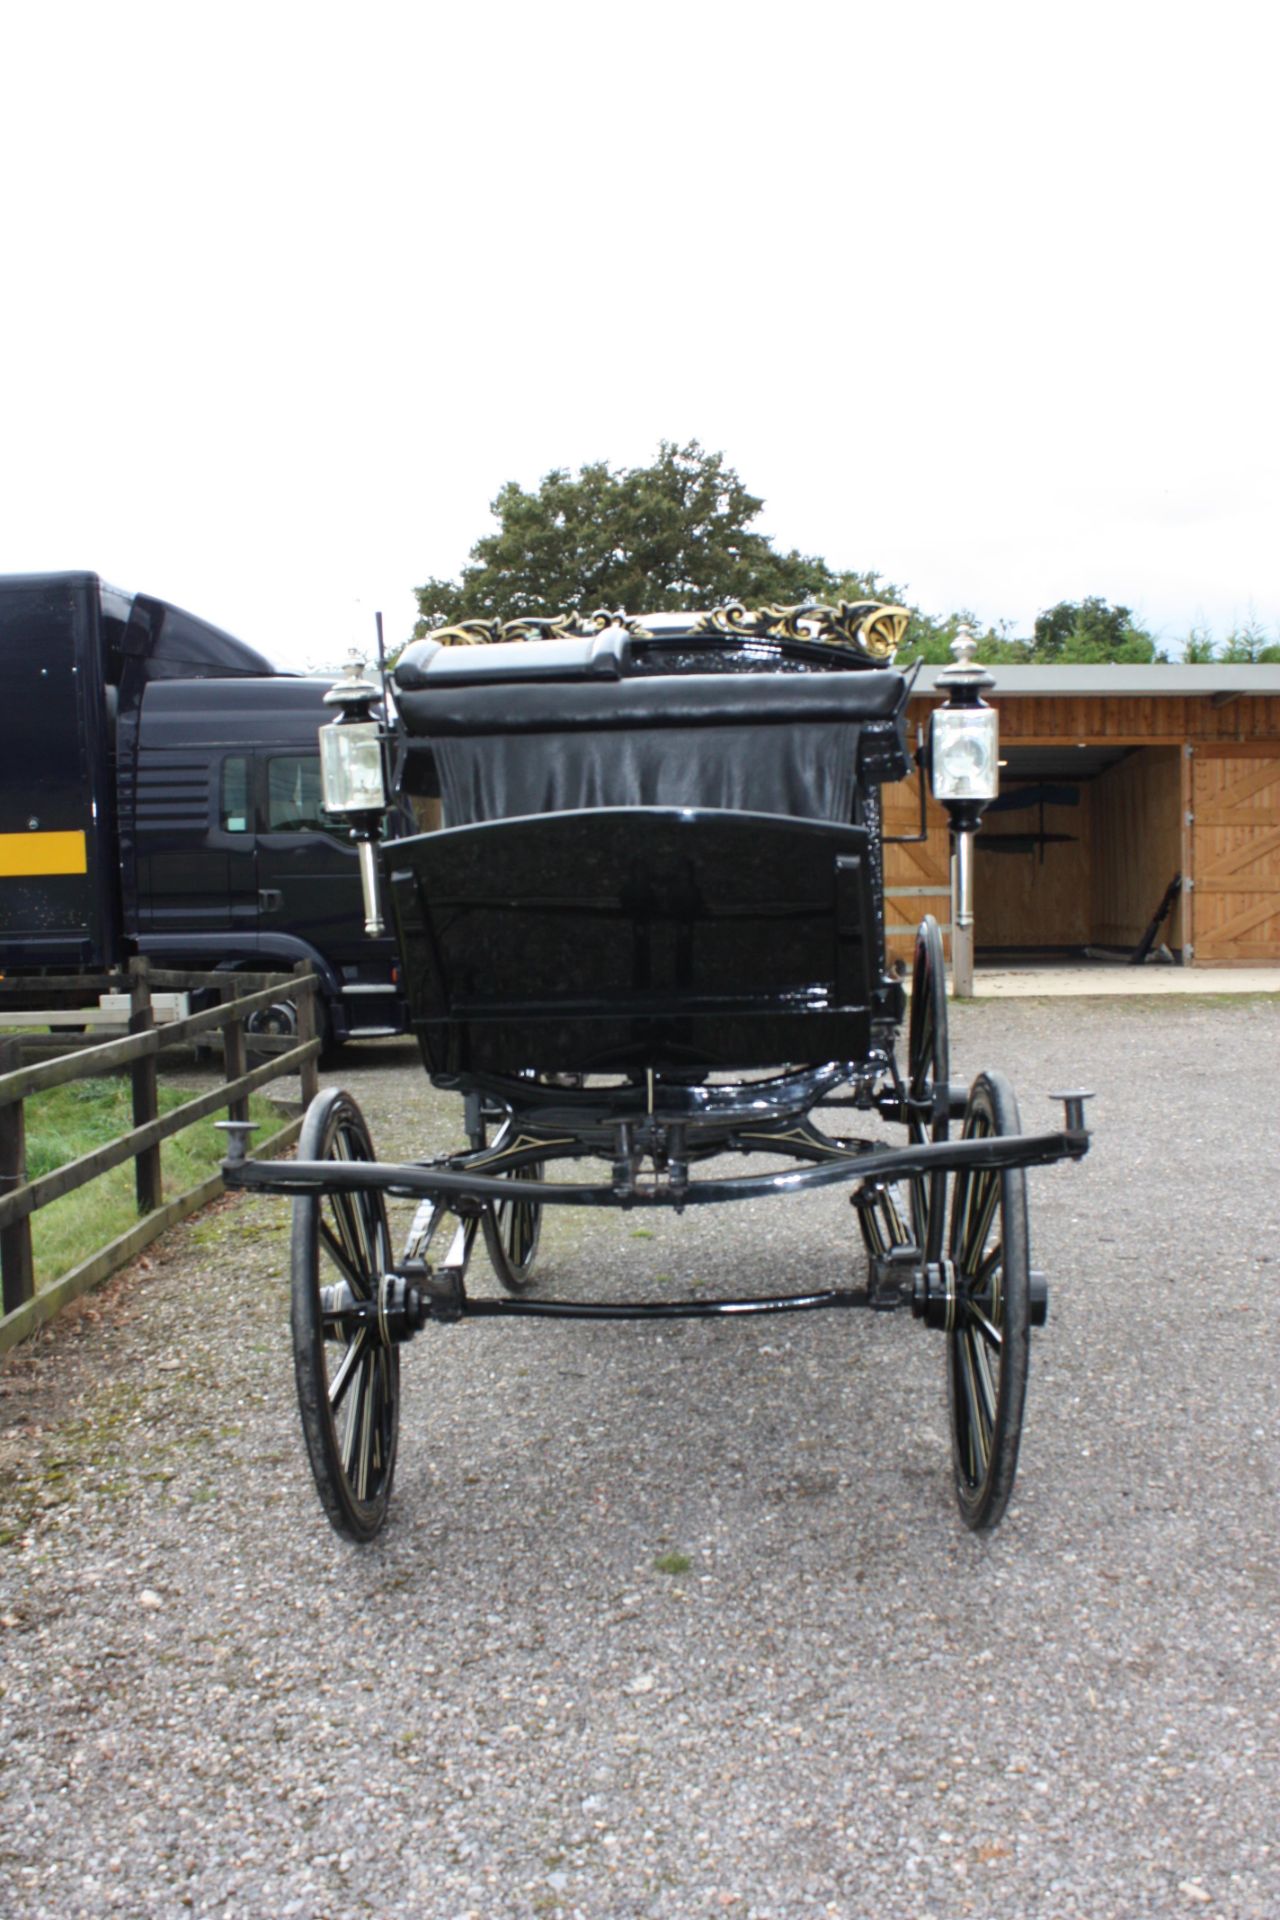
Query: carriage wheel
{"points": [[348, 1382], [928, 1067], [988, 1315], [511, 1232]]}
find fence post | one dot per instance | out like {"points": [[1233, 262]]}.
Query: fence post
{"points": [[146, 1106], [235, 1054], [16, 1268], [309, 1077]]}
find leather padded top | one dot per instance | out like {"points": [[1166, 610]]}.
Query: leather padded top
{"points": [[427, 663], [508, 701]]}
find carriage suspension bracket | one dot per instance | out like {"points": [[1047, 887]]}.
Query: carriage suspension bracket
{"points": [[893, 1277], [421, 1293]]}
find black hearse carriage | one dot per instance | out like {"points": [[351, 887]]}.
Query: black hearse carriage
{"points": [[649, 935]]}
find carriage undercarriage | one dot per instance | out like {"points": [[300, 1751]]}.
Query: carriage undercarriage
{"points": [[942, 1220]]}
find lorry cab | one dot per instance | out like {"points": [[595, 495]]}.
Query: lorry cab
{"points": [[228, 854], [159, 794]]}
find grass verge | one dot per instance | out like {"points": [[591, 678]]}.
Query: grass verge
{"points": [[68, 1121]]}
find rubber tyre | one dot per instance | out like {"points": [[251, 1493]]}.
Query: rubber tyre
{"points": [[348, 1388], [512, 1229], [989, 1337], [928, 1067]]}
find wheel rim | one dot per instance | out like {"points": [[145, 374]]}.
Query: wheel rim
{"points": [[512, 1229], [989, 1319], [348, 1381], [928, 1067], [277, 1021]]}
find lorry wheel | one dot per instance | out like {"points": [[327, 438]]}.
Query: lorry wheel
{"points": [[280, 1021]]}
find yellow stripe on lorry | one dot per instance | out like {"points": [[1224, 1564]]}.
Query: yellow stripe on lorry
{"points": [[28, 854]]}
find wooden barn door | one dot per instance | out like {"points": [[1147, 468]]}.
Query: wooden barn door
{"points": [[917, 878], [1235, 836]]}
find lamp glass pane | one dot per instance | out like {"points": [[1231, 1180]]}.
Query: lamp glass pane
{"points": [[965, 753], [351, 768]]}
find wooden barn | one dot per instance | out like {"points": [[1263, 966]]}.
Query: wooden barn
{"points": [[1116, 782]]}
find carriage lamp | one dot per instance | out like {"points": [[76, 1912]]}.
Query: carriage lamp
{"points": [[964, 753], [352, 777], [351, 767], [964, 767], [964, 746]]}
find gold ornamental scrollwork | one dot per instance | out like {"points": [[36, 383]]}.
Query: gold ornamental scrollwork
{"points": [[561, 626], [870, 628], [867, 627]]}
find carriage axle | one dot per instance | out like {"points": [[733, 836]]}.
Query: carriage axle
{"points": [[414, 1296]]}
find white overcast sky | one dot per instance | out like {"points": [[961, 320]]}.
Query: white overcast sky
{"points": [[982, 296]]}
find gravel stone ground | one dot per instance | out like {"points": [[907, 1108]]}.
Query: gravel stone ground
{"points": [[845, 1705]]}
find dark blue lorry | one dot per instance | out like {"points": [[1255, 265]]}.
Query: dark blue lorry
{"points": [[160, 795]]}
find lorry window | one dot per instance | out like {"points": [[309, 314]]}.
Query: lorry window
{"points": [[293, 795], [234, 813]]}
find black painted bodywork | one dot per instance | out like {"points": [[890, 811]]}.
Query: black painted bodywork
{"points": [[656, 857], [623, 939]]}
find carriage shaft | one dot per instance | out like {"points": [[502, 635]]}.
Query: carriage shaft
{"points": [[890, 1163]]}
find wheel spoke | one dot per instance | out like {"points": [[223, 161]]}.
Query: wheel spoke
{"points": [[968, 1422], [978, 1222], [358, 1216], [364, 1424], [347, 1233], [963, 1207], [338, 1253], [979, 1408], [355, 1437], [990, 1266], [343, 1373], [380, 1402], [986, 1392], [990, 1331]]}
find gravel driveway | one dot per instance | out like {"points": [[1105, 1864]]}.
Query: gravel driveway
{"points": [[844, 1705]]}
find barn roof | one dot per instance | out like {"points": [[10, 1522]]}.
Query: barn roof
{"points": [[1121, 682]]}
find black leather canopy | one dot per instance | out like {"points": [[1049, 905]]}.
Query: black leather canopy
{"points": [[505, 731], [806, 773]]}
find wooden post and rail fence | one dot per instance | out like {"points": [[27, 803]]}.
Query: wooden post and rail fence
{"points": [[241, 996]]}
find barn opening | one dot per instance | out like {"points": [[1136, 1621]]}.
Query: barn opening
{"points": [[1114, 779], [1080, 854]]}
